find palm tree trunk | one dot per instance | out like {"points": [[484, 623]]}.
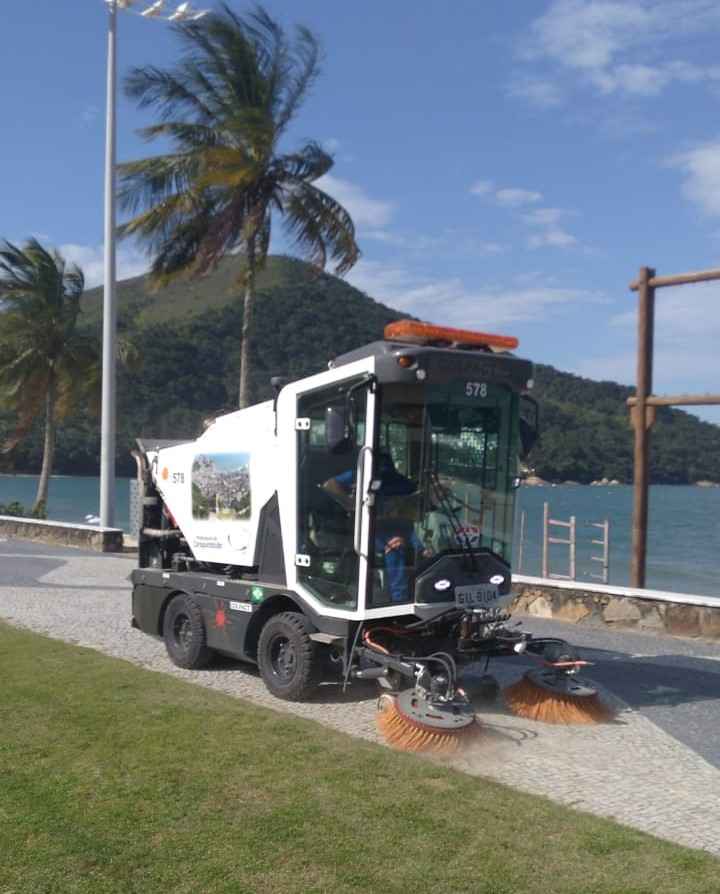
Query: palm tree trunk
{"points": [[249, 305], [49, 449]]}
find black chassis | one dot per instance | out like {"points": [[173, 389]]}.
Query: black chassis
{"points": [[234, 611]]}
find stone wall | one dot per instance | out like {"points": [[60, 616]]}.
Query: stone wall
{"points": [[104, 540], [602, 606]]}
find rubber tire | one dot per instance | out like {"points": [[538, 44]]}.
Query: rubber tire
{"points": [[194, 653], [292, 627]]}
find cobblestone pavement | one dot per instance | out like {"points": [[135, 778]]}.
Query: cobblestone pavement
{"points": [[655, 767]]}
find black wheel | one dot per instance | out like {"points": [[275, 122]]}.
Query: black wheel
{"points": [[184, 633], [287, 657]]}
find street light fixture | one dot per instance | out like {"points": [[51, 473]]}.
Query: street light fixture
{"points": [[154, 10], [108, 417]]}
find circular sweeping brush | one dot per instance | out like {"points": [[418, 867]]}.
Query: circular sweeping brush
{"points": [[408, 724], [550, 697]]}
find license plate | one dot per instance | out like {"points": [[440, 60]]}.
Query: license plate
{"points": [[478, 595]]}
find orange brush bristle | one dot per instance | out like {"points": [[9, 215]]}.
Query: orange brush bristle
{"points": [[404, 734], [528, 699]]}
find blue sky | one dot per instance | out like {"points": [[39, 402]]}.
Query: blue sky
{"points": [[509, 166]]}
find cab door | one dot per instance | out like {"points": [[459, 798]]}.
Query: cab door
{"points": [[334, 468]]}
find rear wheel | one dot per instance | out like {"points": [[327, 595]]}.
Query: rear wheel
{"points": [[184, 633], [287, 657]]}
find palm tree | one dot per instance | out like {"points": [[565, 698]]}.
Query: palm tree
{"points": [[46, 365], [224, 109]]}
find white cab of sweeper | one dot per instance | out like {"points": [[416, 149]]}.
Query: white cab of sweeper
{"points": [[379, 488]]}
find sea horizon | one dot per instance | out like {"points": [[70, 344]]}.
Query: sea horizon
{"points": [[683, 535]]}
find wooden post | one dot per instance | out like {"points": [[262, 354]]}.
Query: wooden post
{"points": [[644, 405], [646, 325]]}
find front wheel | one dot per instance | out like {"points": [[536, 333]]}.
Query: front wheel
{"points": [[287, 657]]}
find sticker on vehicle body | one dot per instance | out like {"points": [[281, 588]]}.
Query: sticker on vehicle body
{"points": [[241, 607]]}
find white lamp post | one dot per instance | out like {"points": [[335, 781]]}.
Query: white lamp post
{"points": [[108, 418]]}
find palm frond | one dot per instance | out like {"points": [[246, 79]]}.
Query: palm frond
{"points": [[179, 255], [306, 70], [41, 295], [158, 223], [224, 106], [28, 409], [228, 168], [309, 163], [320, 226], [165, 90], [148, 181], [183, 133]]}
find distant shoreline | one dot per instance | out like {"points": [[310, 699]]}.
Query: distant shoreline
{"points": [[53, 477]]}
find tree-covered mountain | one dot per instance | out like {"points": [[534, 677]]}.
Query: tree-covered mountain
{"points": [[187, 346]]}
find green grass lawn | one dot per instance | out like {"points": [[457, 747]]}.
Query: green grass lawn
{"points": [[117, 779]]}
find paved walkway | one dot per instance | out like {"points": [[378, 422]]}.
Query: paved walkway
{"points": [[657, 767]]}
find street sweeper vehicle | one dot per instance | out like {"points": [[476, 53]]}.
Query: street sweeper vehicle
{"points": [[360, 524]]}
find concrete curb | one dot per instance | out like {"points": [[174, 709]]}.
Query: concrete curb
{"points": [[655, 611], [104, 540]]}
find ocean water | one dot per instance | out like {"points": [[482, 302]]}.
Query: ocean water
{"points": [[683, 542], [70, 498], [683, 553]]}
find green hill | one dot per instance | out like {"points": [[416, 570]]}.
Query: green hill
{"points": [[187, 339]]}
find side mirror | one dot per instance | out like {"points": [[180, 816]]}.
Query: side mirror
{"points": [[529, 425], [338, 434]]}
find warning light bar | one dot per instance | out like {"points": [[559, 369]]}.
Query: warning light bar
{"points": [[426, 333]]}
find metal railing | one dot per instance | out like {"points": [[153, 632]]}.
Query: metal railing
{"points": [[605, 544], [572, 541]]}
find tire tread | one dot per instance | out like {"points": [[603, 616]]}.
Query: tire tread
{"points": [[306, 679]]}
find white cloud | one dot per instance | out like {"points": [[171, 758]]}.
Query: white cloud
{"points": [[449, 242], [554, 237], [618, 47], [543, 217], [545, 221], [365, 211], [515, 198], [538, 91], [549, 232], [587, 34], [701, 167], [481, 248], [386, 236], [91, 259], [482, 187], [414, 242], [507, 196], [687, 332], [683, 315], [450, 301]]}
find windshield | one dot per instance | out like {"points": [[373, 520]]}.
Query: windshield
{"points": [[445, 466]]}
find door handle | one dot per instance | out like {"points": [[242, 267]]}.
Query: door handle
{"points": [[360, 495]]}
